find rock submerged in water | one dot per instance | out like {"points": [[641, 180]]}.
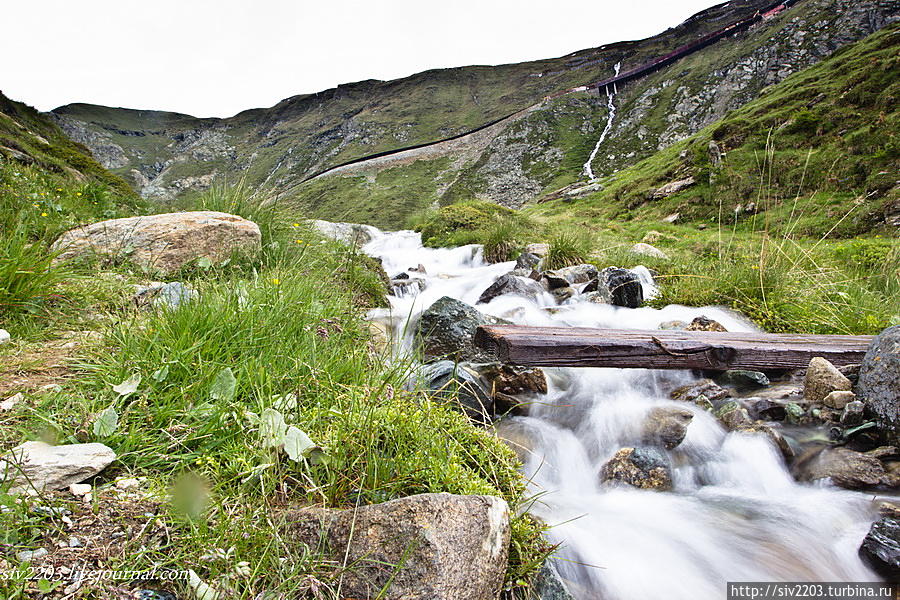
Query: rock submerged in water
{"points": [[822, 378], [450, 547], [881, 548], [879, 382], [446, 330], [161, 243], [645, 468], [666, 426], [42, 467], [511, 284]]}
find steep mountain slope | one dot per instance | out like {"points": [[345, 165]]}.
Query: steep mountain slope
{"points": [[532, 152], [546, 149], [29, 137], [818, 153]]}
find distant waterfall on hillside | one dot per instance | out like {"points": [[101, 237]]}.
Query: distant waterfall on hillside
{"points": [[611, 114]]}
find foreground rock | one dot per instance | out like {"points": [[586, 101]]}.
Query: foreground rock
{"points": [[4, 336], [881, 548], [511, 284], [352, 234], [644, 468], [879, 382], [448, 547], [666, 426], [822, 378], [446, 330], [164, 243], [44, 467]]}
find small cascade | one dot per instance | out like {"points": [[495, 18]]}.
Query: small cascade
{"points": [[611, 114], [734, 512]]}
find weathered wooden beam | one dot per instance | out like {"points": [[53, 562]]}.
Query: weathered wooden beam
{"points": [[657, 349]]}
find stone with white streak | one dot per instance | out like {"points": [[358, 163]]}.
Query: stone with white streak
{"points": [[40, 466]]}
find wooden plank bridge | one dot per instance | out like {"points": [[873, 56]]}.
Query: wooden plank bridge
{"points": [[658, 349]]}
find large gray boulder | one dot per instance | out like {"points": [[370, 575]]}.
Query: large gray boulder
{"points": [[511, 284], [40, 466], [879, 382], [423, 547], [446, 330], [161, 244]]}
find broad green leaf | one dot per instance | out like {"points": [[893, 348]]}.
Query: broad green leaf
{"points": [[272, 428], [297, 444], [160, 375], [129, 386], [223, 386], [203, 262], [106, 422]]}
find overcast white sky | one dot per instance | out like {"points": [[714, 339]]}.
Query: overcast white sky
{"points": [[218, 57]]}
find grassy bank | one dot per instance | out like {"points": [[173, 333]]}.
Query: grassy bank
{"points": [[278, 337], [784, 283]]}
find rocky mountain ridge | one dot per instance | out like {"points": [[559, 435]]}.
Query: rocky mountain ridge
{"points": [[166, 154]]}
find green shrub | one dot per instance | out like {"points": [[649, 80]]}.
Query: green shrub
{"points": [[567, 248], [451, 224]]}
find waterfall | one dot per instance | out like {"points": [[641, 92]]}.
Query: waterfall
{"points": [[610, 115], [735, 512]]}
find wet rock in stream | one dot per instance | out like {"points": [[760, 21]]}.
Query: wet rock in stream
{"points": [[666, 426], [881, 548], [511, 284], [645, 468], [446, 330]]}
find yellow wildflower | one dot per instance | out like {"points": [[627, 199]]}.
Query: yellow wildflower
{"points": [[43, 214], [276, 281]]}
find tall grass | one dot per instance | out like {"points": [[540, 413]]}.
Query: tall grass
{"points": [[290, 329], [567, 248]]}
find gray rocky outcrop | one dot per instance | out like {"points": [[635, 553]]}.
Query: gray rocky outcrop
{"points": [[881, 548]]}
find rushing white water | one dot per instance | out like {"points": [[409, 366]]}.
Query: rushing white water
{"points": [[735, 513], [610, 115]]}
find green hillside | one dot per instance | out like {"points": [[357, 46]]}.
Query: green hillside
{"points": [[818, 153]]}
